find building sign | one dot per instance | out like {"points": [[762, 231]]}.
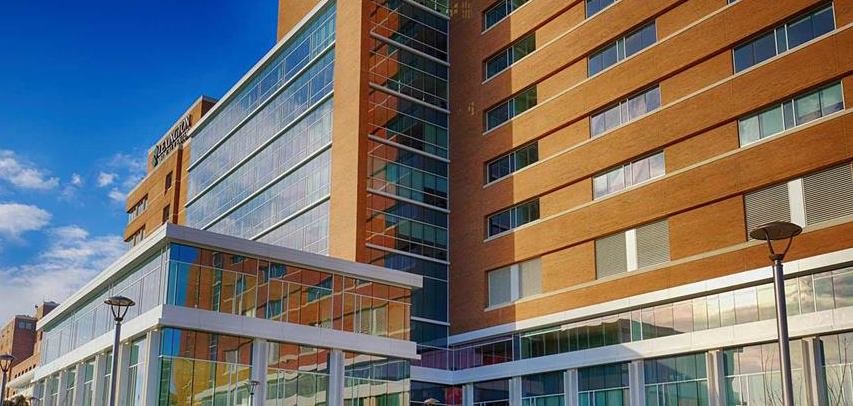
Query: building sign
{"points": [[171, 141]]}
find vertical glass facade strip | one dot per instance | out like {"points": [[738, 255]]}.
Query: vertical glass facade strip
{"points": [[296, 375], [375, 380], [261, 165], [407, 171]]}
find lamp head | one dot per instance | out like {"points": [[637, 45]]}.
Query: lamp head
{"points": [[119, 306], [431, 401], [252, 385], [6, 362], [776, 231]]}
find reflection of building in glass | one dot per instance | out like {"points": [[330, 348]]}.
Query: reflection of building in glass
{"points": [[214, 313]]}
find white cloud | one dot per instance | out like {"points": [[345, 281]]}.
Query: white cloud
{"points": [[23, 174], [118, 196], [106, 179], [16, 219], [76, 180], [71, 260]]}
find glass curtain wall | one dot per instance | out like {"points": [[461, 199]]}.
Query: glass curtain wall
{"points": [[836, 352], [296, 375], [807, 294], [198, 368], [236, 284], [93, 319], [603, 385], [407, 155], [676, 381], [753, 378], [542, 389], [445, 395], [372, 380], [88, 383], [136, 373], [491, 393], [261, 165]]}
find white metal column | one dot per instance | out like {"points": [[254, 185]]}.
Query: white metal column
{"points": [[336, 378], [63, 383], [637, 383], [570, 387], [515, 391], [98, 380], [716, 378], [79, 378], [813, 372], [468, 394], [150, 385], [121, 373], [259, 369]]}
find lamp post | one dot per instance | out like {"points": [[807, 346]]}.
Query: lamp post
{"points": [[119, 306], [780, 231], [5, 365], [252, 386]]}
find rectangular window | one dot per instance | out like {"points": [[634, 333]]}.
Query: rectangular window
{"points": [[510, 55], [622, 48], [169, 181], [633, 249], [815, 198], [511, 108], [498, 11], [594, 6], [542, 389], [514, 282], [791, 113], [167, 213], [627, 175], [752, 377], [513, 217], [603, 385], [784, 37], [624, 111], [679, 380], [509, 163]]}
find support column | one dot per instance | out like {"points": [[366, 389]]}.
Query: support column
{"points": [[468, 394], [570, 387], [151, 383], [515, 391], [813, 372], [63, 383], [336, 378], [716, 378], [121, 373], [259, 370], [637, 383], [98, 380], [79, 378]]}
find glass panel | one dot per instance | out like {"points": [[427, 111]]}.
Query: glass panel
{"points": [[831, 99], [807, 108], [772, 122], [749, 130]]}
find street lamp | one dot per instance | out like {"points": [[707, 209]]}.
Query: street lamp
{"points": [[431, 402], [33, 400], [252, 385], [119, 306], [5, 365], [780, 231]]}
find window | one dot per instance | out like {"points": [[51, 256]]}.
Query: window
{"points": [[513, 217], [498, 11], [634, 249], [594, 6], [629, 175], [603, 385], [136, 238], [752, 377], [679, 380], [784, 37], [511, 108], [542, 389], [491, 393], [512, 162], [622, 48], [88, 381], [138, 209], [169, 181], [624, 111], [510, 55], [812, 199], [791, 113], [511, 283], [136, 375], [166, 214], [70, 380]]}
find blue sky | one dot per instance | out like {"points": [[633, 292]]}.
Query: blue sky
{"points": [[87, 87]]}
